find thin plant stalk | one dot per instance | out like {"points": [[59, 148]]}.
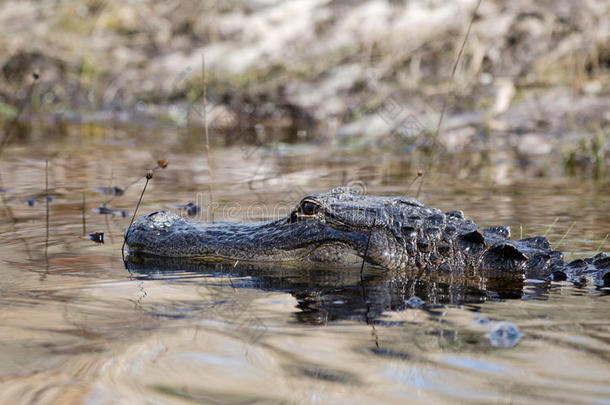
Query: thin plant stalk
{"points": [[453, 70], [207, 138], [366, 249], [135, 212], [417, 176], [22, 105], [8, 211], [363, 290], [601, 244], [83, 208], [565, 234], [110, 187], [520, 231], [450, 89], [421, 183], [161, 164], [46, 187], [548, 229]]}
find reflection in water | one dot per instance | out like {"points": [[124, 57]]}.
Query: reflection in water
{"points": [[332, 294]]}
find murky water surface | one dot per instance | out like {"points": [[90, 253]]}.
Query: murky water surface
{"points": [[76, 325]]}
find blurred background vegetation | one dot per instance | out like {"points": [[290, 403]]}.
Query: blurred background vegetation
{"points": [[532, 83]]}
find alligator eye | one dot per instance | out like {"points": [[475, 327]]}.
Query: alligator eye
{"points": [[309, 208]]}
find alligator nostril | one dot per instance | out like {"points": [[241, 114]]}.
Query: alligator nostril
{"points": [[153, 214]]}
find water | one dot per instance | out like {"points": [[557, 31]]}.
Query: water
{"points": [[76, 325]]}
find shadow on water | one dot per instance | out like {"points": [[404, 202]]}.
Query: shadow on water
{"points": [[333, 294]]}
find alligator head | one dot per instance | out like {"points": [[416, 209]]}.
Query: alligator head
{"points": [[339, 227]]}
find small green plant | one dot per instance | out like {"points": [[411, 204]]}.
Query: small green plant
{"points": [[565, 235], [601, 244], [550, 227]]}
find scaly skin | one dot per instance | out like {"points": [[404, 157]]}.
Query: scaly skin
{"points": [[336, 227]]}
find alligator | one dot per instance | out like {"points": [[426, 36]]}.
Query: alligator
{"points": [[344, 228]]}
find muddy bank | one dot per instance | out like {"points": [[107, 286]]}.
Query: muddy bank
{"points": [[534, 78]]}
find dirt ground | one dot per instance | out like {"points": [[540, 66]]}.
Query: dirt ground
{"points": [[533, 78]]}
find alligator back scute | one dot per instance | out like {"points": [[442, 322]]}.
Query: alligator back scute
{"points": [[539, 265], [455, 214], [504, 257], [536, 242], [409, 201], [472, 242], [499, 231], [594, 270]]}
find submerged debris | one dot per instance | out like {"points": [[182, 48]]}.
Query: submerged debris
{"points": [[109, 211], [191, 208], [110, 190], [481, 320], [34, 200], [97, 237]]}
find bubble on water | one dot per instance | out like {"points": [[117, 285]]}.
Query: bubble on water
{"points": [[504, 334], [482, 321], [415, 302]]}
